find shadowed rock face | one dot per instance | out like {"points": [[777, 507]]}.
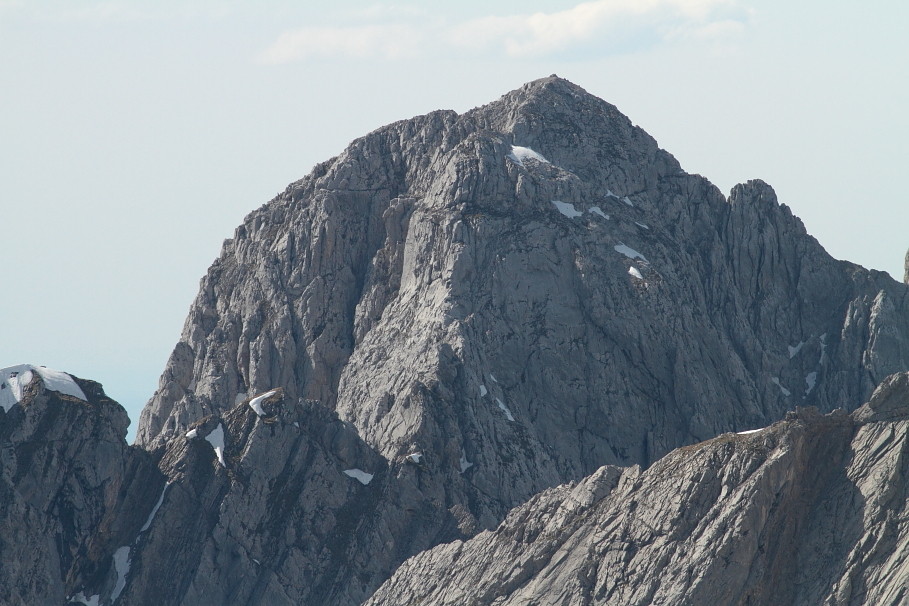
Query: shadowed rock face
{"points": [[71, 492], [811, 510], [455, 314]]}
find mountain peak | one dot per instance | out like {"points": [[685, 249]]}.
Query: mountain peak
{"points": [[577, 131]]}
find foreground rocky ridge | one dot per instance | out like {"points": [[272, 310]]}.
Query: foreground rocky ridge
{"points": [[812, 510], [268, 504]]}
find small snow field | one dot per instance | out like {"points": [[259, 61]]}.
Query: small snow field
{"points": [[519, 155], [464, 463], [810, 382], [151, 516], [794, 350], [567, 209], [80, 598], [359, 475], [121, 565], [629, 252], [15, 379], [505, 409], [216, 439], [635, 273], [599, 211], [483, 391], [256, 403], [783, 390]]}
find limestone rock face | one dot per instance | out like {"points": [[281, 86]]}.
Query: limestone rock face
{"points": [[906, 266], [458, 315], [533, 288], [811, 510], [71, 491]]}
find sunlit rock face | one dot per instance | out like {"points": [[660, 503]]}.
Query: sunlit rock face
{"points": [[458, 313]]}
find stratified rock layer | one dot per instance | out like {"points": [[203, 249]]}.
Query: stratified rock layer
{"points": [[812, 510]]}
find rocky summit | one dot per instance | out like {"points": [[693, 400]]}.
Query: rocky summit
{"points": [[498, 357]]}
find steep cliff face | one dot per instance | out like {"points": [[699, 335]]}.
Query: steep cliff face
{"points": [[455, 314], [532, 289], [71, 489], [811, 510]]}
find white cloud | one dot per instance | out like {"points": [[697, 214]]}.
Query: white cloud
{"points": [[385, 41], [599, 23], [589, 28], [386, 11]]}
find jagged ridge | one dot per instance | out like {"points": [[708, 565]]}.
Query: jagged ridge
{"points": [[518, 295], [811, 510]]}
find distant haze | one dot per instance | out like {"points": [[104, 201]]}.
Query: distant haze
{"points": [[135, 136]]}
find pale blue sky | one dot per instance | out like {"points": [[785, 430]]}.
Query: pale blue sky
{"points": [[134, 136]]}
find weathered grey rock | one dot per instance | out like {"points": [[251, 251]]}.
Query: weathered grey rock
{"points": [[470, 309], [397, 279], [290, 517], [71, 491], [906, 269], [812, 510]]}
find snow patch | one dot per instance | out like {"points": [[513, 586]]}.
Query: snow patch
{"points": [[359, 475], [192, 434], [80, 598], [635, 273], [15, 378], [823, 340], [810, 381], [793, 351], [776, 381], [520, 154], [745, 433], [465, 464], [627, 201], [154, 510], [492, 378], [216, 439], [121, 565], [599, 211], [483, 391], [415, 457], [629, 252], [641, 225], [505, 409], [297, 425], [240, 397], [256, 403], [567, 209]]}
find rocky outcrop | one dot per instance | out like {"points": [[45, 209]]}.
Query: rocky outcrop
{"points": [[456, 314], [71, 489], [906, 269], [294, 509], [811, 510], [534, 288]]}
